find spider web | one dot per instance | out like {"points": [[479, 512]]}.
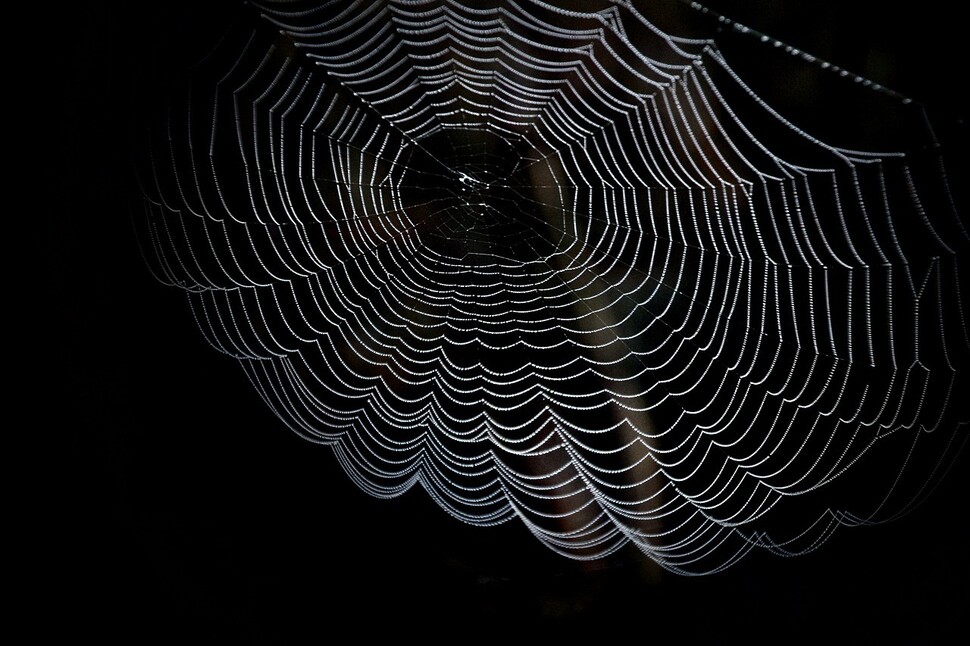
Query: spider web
{"points": [[553, 263]]}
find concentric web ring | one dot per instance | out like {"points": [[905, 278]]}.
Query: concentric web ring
{"points": [[552, 263]]}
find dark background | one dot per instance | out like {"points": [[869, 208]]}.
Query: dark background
{"points": [[172, 507]]}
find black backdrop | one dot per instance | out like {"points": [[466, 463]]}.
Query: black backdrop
{"points": [[174, 508]]}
